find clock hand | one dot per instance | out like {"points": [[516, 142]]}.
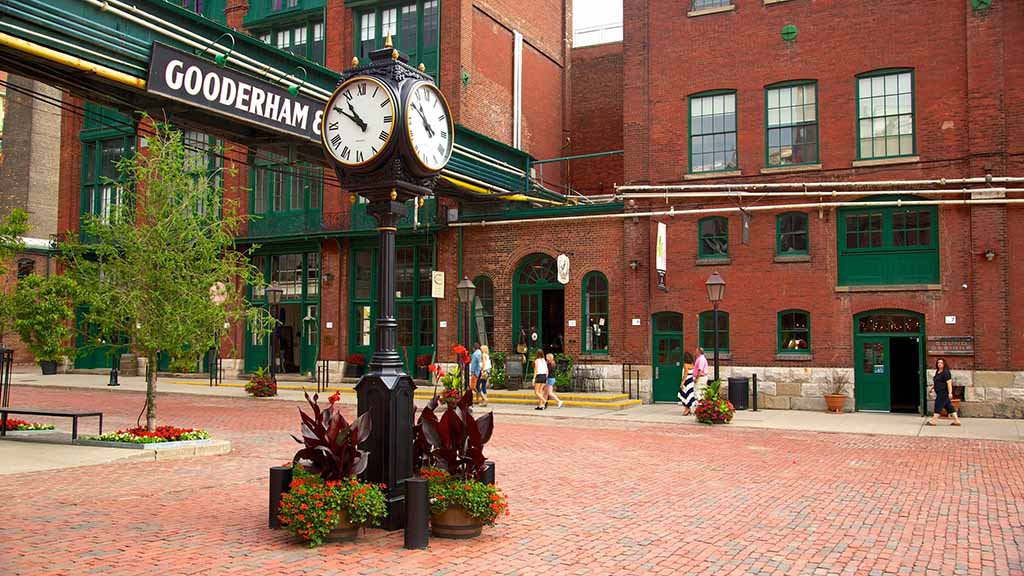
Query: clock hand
{"points": [[355, 117], [359, 122], [419, 110]]}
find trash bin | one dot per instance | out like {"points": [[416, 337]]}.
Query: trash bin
{"points": [[739, 390]]}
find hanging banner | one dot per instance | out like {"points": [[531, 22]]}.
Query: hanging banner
{"points": [[436, 284], [201, 83], [661, 255], [563, 269]]}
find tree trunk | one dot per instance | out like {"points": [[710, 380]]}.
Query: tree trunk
{"points": [[151, 392]]}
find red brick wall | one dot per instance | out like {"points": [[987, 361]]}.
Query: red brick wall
{"points": [[487, 100], [596, 124], [8, 283]]}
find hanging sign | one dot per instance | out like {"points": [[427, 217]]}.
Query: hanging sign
{"points": [[201, 83], [437, 284], [563, 269], [661, 256]]}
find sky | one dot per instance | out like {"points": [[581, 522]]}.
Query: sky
{"points": [[587, 13]]}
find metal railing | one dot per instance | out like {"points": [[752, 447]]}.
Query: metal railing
{"points": [[323, 376], [630, 376]]}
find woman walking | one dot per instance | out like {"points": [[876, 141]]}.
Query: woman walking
{"points": [[686, 395], [485, 373], [943, 384], [540, 378], [549, 386]]}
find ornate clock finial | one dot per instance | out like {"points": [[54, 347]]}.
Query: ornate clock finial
{"points": [[423, 67], [351, 198], [387, 41], [355, 61], [394, 54], [394, 194]]}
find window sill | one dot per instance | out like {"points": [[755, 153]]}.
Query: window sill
{"points": [[891, 288], [710, 353], [793, 168], [886, 161], [706, 11], [705, 175], [795, 357], [714, 261], [767, 2], [793, 258]]}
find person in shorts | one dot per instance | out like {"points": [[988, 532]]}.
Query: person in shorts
{"points": [[540, 378], [549, 385]]}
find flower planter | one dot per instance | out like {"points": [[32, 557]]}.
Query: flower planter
{"points": [[835, 402], [345, 531], [455, 523], [49, 367]]}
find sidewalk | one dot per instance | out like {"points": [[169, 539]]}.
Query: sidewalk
{"points": [[850, 423]]}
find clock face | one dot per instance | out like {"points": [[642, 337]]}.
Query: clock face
{"points": [[430, 126], [358, 121]]}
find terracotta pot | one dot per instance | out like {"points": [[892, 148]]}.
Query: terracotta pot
{"points": [[345, 531], [455, 523], [835, 402]]}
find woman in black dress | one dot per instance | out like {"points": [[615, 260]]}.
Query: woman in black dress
{"points": [[943, 383]]}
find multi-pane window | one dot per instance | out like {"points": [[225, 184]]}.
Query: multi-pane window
{"points": [[283, 4], [282, 187], [863, 231], [26, 267], [791, 229], [792, 118], [714, 237], [483, 310], [102, 192], [595, 313], [713, 133], [706, 4], [203, 161], [413, 27], [885, 110], [912, 228], [302, 36], [794, 332], [707, 331]]}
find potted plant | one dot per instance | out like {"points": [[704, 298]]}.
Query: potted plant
{"points": [[326, 501], [42, 315], [355, 364], [712, 408], [423, 362], [835, 390], [497, 377], [261, 384], [450, 452], [451, 383]]}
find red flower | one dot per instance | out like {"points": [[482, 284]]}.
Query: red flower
{"points": [[334, 397]]}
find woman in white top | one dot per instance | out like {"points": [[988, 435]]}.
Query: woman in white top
{"points": [[485, 373], [540, 378]]}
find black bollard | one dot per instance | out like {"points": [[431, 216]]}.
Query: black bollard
{"points": [[113, 378], [417, 513], [280, 478], [755, 393], [488, 476]]}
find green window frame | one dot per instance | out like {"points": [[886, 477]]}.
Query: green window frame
{"points": [[212, 9], [107, 136], [279, 187], [792, 237], [485, 296], [303, 37], [696, 5], [888, 245], [712, 132], [886, 121], [794, 330], [203, 157], [414, 29], [791, 123], [596, 323], [707, 331], [713, 237]]}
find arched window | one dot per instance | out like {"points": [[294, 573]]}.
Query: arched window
{"points": [[483, 311], [794, 330], [26, 266], [707, 331], [595, 313], [714, 237]]}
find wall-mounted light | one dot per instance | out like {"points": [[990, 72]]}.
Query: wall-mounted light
{"points": [[990, 255], [328, 277], [634, 264]]}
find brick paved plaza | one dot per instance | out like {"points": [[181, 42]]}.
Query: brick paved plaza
{"points": [[588, 497]]}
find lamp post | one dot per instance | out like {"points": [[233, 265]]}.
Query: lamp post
{"points": [[466, 292], [273, 293], [716, 291]]}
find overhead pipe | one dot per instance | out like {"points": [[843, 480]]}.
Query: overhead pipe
{"points": [[732, 209], [72, 61], [989, 180], [808, 193], [69, 45]]}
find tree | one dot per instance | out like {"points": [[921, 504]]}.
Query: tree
{"points": [[11, 230], [43, 311], [161, 268]]}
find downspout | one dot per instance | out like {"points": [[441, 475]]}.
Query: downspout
{"points": [[517, 90], [458, 278]]}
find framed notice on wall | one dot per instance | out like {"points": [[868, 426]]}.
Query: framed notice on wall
{"points": [[437, 284]]}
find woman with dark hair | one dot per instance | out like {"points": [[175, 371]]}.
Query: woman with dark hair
{"points": [[943, 383], [540, 378], [686, 395]]}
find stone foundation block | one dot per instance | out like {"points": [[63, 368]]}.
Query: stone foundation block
{"points": [[994, 394], [764, 388], [816, 404], [994, 379], [787, 388], [1013, 394], [1008, 409], [810, 389], [976, 409], [773, 402], [974, 394]]}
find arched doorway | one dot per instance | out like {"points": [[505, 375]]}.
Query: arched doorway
{"points": [[889, 361], [538, 305]]}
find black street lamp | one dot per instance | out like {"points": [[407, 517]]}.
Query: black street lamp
{"points": [[716, 291], [466, 292], [273, 293]]}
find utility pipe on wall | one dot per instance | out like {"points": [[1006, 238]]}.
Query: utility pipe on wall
{"points": [[809, 193], [817, 185]]}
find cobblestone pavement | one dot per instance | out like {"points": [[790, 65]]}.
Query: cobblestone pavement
{"points": [[587, 497]]}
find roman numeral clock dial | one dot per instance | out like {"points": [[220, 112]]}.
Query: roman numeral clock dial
{"points": [[430, 127], [359, 121]]}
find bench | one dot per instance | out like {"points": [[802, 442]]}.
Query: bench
{"points": [[73, 415]]}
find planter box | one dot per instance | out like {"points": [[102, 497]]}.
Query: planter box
{"points": [[149, 446], [31, 432]]}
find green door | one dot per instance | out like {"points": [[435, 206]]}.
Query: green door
{"points": [[310, 347], [667, 342], [872, 364], [257, 349]]}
